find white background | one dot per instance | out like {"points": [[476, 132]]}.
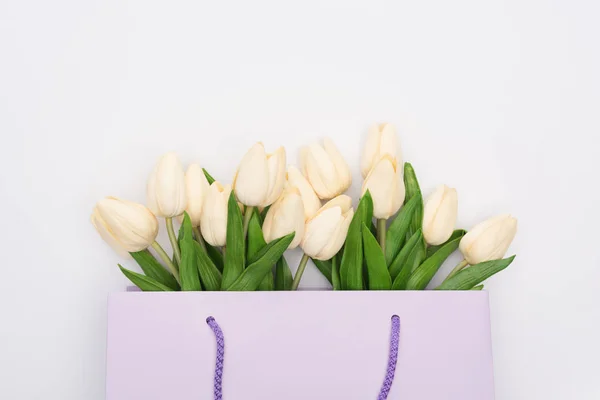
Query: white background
{"points": [[499, 99]]}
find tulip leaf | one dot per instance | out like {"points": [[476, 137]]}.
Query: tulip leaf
{"points": [[208, 176], [478, 287], [412, 189], [458, 233], [377, 271], [154, 269], [351, 268], [263, 214], [407, 260], [215, 255], [252, 276], [188, 270], [256, 242], [421, 276], [335, 272], [145, 283], [398, 229], [470, 277], [324, 267], [283, 275], [210, 276], [234, 255]]}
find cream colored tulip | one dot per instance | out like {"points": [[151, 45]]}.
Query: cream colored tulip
{"points": [[326, 231], [166, 187], [213, 221], [260, 177], [325, 169], [439, 215], [386, 185], [310, 200], [381, 141], [489, 240], [285, 216], [196, 187], [126, 226]]}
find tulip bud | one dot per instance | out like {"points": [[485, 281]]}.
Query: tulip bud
{"points": [[166, 187], [124, 225], [310, 200], [326, 232], [439, 215], [259, 178], [213, 221], [196, 187], [381, 141], [489, 240], [386, 185], [325, 169], [285, 216]]}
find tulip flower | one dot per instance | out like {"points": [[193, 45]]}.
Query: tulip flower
{"points": [[285, 216], [325, 169], [381, 141], [489, 240], [259, 179], [439, 215], [128, 227], [310, 200], [213, 222], [166, 194], [196, 187]]}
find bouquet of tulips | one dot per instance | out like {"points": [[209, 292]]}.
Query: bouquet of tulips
{"points": [[233, 237]]}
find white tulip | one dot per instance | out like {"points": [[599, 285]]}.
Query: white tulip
{"points": [[489, 240], [439, 215], [386, 185], [259, 178], [310, 200], [196, 187], [381, 141], [325, 169], [213, 222], [124, 225], [166, 187], [285, 216], [326, 231]]}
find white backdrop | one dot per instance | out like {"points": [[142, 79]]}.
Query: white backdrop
{"points": [[498, 99]]}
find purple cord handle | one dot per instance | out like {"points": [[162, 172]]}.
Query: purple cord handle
{"points": [[387, 382]]}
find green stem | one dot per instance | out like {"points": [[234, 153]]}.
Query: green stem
{"points": [[199, 238], [247, 215], [381, 230], [165, 257], [456, 269], [173, 239], [299, 272]]}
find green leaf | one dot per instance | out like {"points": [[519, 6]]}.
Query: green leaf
{"points": [[188, 270], [256, 240], [379, 276], [351, 268], [252, 276], [472, 276], [412, 189], [283, 275], [234, 256], [209, 273], [335, 272], [456, 234], [154, 269], [478, 287], [143, 282], [263, 214], [421, 277], [398, 229], [407, 260], [324, 267], [215, 255], [209, 178]]}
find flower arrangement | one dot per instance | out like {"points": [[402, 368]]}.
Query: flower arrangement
{"points": [[233, 237]]}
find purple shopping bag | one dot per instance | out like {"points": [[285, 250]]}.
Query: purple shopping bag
{"points": [[299, 345]]}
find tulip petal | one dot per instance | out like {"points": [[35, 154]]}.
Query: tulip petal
{"points": [[276, 166], [310, 200], [344, 177], [371, 150], [337, 239], [196, 187], [251, 182], [319, 231], [382, 182]]}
